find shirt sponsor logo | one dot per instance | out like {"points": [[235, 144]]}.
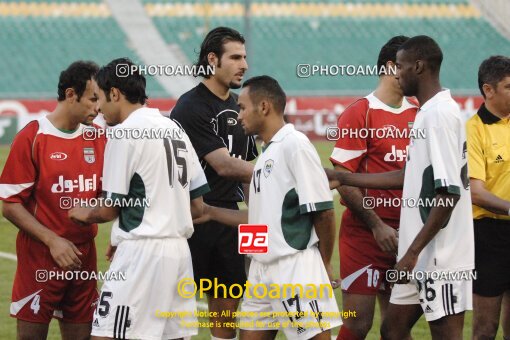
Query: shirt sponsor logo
{"points": [[58, 156], [231, 121], [81, 184], [253, 238], [396, 155]]}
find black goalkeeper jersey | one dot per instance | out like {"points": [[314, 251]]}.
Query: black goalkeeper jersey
{"points": [[211, 123]]}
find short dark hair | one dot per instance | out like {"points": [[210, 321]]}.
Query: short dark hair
{"points": [[213, 42], [423, 47], [492, 71], [389, 50], [76, 76], [130, 84], [262, 87]]}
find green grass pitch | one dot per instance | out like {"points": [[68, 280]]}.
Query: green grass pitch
{"points": [[8, 267]]}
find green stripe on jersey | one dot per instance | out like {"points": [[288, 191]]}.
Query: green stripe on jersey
{"points": [[200, 191], [296, 227], [131, 217], [319, 206]]}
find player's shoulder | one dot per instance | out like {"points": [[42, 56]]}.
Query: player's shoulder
{"points": [[359, 107], [444, 110], [191, 102], [29, 132], [294, 140]]}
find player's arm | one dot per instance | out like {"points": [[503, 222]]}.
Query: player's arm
{"points": [[63, 251], [99, 214], [225, 216], [324, 224], [197, 207], [486, 199], [382, 180], [246, 190], [229, 167], [385, 236], [437, 219]]}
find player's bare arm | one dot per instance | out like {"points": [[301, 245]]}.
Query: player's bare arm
{"points": [[487, 200], [385, 236], [246, 190], [228, 217], [382, 180], [197, 207], [63, 251], [324, 224], [93, 215], [228, 166], [438, 217]]}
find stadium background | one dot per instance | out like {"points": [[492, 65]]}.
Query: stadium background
{"points": [[40, 38]]}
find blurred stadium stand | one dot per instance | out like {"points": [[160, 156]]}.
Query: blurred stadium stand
{"points": [[40, 38]]}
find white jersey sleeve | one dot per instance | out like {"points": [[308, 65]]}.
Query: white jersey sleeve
{"points": [[442, 144], [312, 184], [119, 166]]}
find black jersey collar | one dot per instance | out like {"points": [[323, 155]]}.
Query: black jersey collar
{"points": [[486, 116]]}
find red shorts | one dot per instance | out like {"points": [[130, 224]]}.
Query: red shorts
{"points": [[363, 264], [36, 298]]}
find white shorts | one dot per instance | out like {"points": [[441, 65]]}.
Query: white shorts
{"points": [[300, 316], [140, 306], [437, 298]]}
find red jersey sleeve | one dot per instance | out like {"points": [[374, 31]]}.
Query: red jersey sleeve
{"points": [[19, 174], [349, 151]]}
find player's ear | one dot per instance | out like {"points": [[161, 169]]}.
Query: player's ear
{"points": [[419, 66], [115, 94], [212, 59], [70, 95], [488, 90], [264, 107]]}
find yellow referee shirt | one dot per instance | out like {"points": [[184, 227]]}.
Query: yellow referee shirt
{"points": [[488, 145]]}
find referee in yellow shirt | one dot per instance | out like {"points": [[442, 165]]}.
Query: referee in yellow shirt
{"points": [[488, 145]]}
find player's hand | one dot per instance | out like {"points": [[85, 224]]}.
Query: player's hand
{"points": [[65, 253], [206, 215], [406, 264], [110, 252], [79, 215], [335, 283], [386, 238]]}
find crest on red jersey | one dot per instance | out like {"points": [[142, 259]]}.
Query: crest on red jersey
{"points": [[88, 155]]}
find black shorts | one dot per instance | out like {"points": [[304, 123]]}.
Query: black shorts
{"points": [[492, 257], [215, 254]]}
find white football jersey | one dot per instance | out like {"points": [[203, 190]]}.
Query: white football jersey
{"points": [[288, 184], [158, 176], [438, 161]]}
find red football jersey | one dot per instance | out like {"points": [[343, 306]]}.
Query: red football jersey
{"points": [[374, 138], [47, 168]]}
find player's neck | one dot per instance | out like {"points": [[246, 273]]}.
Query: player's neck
{"points": [[216, 88], [271, 129], [61, 119], [388, 95], [495, 111], [425, 93]]}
